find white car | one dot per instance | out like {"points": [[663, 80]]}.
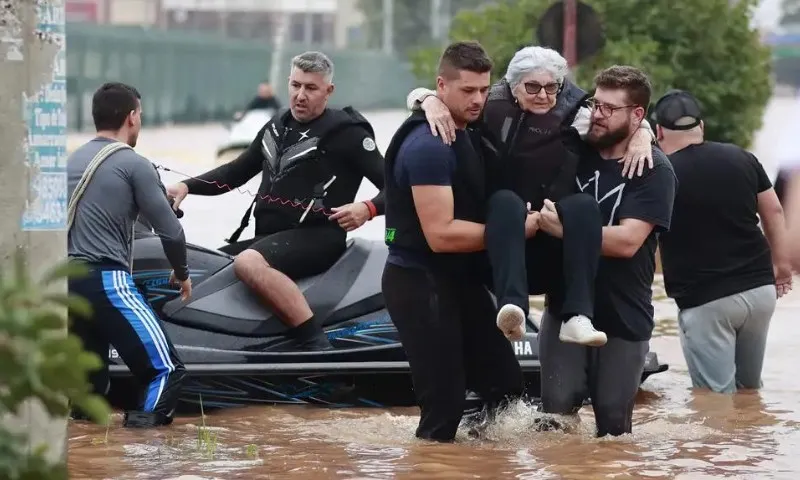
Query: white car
{"points": [[242, 133]]}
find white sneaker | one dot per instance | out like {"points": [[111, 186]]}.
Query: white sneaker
{"points": [[511, 321], [579, 329], [536, 320]]}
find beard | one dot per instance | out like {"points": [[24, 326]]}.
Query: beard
{"points": [[600, 138]]}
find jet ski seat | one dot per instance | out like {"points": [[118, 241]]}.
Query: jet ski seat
{"points": [[224, 304]]}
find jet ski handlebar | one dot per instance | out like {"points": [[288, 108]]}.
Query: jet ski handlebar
{"points": [[178, 212]]}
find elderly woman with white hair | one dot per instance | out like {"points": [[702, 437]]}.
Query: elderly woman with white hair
{"points": [[532, 115]]}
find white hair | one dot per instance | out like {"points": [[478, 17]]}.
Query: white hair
{"points": [[314, 62], [536, 59]]}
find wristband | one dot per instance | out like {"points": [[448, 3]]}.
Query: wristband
{"points": [[373, 211]]}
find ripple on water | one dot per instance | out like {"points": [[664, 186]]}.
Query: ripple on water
{"points": [[678, 433]]}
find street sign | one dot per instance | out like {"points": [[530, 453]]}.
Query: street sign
{"points": [[588, 30]]}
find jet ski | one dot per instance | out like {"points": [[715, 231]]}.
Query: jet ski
{"points": [[236, 352], [241, 133]]}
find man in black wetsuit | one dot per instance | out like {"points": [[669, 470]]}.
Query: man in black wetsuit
{"points": [[313, 160]]}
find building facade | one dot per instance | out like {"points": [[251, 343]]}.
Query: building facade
{"points": [[324, 23]]}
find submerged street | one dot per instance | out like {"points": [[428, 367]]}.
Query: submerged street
{"points": [[678, 434]]}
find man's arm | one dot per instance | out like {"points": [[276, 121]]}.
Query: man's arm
{"points": [[434, 204], [793, 216], [231, 175], [771, 213], [772, 216], [150, 197], [361, 150], [429, 166], [646, 205], [625, 239]]}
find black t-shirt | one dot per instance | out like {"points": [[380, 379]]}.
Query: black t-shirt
{"points": [[715, 247], [623, 292]]}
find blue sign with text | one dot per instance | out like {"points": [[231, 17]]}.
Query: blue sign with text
{"points": [[46, 149]]}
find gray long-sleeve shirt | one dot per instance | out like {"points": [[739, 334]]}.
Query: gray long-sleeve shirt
{"points": [[124, 186]]}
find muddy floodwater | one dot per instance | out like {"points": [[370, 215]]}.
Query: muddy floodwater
{"points": [[678, 434]]}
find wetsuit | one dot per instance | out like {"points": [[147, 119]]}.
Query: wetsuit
{"points": [[297, 162], [124, 186], [438, 301]]}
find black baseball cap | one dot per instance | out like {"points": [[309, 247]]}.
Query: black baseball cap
{"points": [[678, 110]]}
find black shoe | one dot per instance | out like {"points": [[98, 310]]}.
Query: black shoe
{"points": [[316, 343], [309, 336], [138, 419]]}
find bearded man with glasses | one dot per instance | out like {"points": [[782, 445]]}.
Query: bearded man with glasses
{"points": [[532, 115], [634, 211]]}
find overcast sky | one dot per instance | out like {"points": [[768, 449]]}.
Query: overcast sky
{"points": [[768, 13]]}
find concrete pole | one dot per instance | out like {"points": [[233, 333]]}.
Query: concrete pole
{"points": [[436, 20], [33, 182], [278, 42], [388, 27], [446, 19], [570, 32]]}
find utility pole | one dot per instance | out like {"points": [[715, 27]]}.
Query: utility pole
{"points": [[570, 32], [445, 19], [33, 177], [388, 27], [436, 20], [278, 42]]}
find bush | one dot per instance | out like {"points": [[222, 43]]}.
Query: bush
{"points": [[706, 47], [37, 361]]}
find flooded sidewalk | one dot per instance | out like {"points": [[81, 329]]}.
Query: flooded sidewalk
{"points": [[678, 434]]}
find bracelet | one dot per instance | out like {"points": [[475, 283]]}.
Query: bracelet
{"points": [[373, 211]]}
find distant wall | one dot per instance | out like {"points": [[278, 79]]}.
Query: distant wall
{"points": [[190, 78], [787, 71]]}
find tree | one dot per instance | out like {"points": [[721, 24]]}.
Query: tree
{"points": [[38, 361], [706, 47], [411, 21]]}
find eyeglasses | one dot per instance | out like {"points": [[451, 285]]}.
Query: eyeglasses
{"points": [[605, 109], [533, 88]]}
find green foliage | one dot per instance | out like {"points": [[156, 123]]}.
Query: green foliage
{"points": [[37, 360], [706, 47], [411, 22]]}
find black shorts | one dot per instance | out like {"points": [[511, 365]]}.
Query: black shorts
{"points": [[299, 252]]}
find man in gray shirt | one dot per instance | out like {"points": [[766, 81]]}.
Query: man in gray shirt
{"points": [[110, 185]]}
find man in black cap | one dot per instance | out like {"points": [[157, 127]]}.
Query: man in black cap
{"points": [[722, 272]]}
